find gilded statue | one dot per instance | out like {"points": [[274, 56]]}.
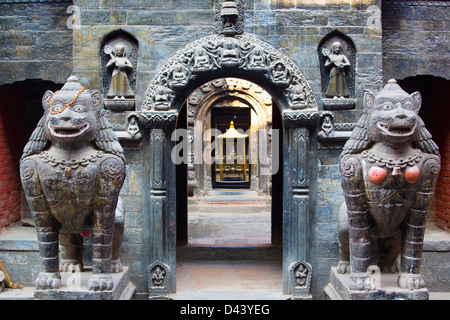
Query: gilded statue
{"points": [[72, 170], [389, 168]]}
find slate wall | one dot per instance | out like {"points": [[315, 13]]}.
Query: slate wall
{"points": [[36, 42], [415, 38]]}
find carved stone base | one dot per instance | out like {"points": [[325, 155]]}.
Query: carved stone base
{"points": [[74, 287], [338, 104], [338, 289], [119, 104]]}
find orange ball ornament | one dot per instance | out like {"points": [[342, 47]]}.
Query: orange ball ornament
{"points": [[377, 175], [412, 174]]}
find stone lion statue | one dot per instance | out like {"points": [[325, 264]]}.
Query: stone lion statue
{"points": [[72, 170], [389, 168]]}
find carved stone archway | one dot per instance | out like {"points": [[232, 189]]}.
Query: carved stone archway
{"points": [[232, 92], [209, 58]]}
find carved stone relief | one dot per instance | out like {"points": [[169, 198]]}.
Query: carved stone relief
{"points": [[229, 17], [217, 52], [158, 274], [119, 59], [301, 273], [337, 58]]}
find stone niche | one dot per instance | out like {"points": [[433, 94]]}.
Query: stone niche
{"points": [[337, 60], [119, 52]]}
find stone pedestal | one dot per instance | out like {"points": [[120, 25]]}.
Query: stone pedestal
{"points": [[338, 289], [74, 287]]}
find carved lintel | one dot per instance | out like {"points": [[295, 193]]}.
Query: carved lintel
{"points": [[119, 104], [158, 275], [158, 119], [300, 276], [303, 118], [338, 104]]}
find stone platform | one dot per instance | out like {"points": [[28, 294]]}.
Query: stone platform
{"points": [[74, 287], [338, 289]]}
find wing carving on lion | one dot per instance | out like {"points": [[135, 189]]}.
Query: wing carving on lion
{"points": [[72, 170]]}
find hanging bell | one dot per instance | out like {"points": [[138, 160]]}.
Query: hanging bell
{"points": [[396, 171]]}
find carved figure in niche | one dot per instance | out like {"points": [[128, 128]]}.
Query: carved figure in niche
{"points": [[120, 86], [257, 59], [327, 122], [297, 97], [201, 60], [280, 74], [338, 62], [179, 76], [161, 98], [72, 170], [389, 168], [230, 54]]}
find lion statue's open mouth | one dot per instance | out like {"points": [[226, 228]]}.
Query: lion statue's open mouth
{"points": [[397, 130], [68, 131]]}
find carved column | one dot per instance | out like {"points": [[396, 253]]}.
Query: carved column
{"points": [[296, 189], [159, 196]]}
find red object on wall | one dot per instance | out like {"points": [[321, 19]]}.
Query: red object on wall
{"points": [[10, 152]]}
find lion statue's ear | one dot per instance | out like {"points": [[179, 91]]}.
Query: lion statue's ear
{"points": [[46, 99], [369, 99], [417, 100], [97, 100]]}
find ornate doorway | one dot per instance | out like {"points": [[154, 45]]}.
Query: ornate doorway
{"points": [[206, 59]]}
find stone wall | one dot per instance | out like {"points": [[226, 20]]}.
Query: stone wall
{"points": [[415, 38], [36, 40], [10, 152], [293, 27]]}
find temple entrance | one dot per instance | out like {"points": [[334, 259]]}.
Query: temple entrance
{"points": [[202, 66], [229, 191]]}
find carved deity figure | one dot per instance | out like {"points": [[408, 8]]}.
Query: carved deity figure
{"points": [[389, 168], [120, 86], [72, 170], [338, 62]]}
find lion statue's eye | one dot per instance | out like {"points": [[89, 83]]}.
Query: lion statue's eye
{"points": [[387, 106], [57, 108], [79, 108], [408, 106]]}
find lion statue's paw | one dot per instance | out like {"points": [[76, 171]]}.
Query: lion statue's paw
{"points": [[343, 267], [48, 280], [410, 281], [100, 282], [116, 266], [67, 265]]}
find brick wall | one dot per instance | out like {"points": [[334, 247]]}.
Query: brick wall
{"points": [[10, 152], [442, 211]]}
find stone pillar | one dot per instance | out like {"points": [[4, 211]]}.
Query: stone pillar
{"points": [[297, 202], [159, 201]]}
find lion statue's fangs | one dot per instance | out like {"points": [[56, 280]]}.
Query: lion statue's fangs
{"points": [[72, 170], [389, 168]]}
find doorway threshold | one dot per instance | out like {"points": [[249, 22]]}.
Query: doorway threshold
{"points": [[195, 252], [229, 280]]}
